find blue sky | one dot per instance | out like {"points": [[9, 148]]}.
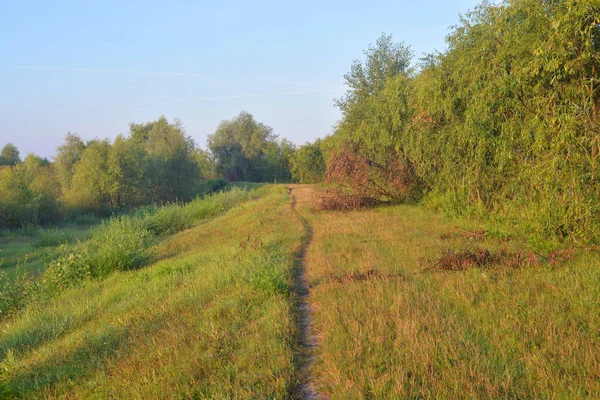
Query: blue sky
{"points": [[94, 67]]}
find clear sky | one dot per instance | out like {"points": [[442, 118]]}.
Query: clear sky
{"points": [[93, 67]]}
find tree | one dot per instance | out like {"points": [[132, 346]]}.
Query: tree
{"points": [[308, 163], [384, 60], [29, 193], [206, 164], [240, 146], [9, 155], [127, 168], [171, 165], [91, 183], [375, 113], [67, 155]]}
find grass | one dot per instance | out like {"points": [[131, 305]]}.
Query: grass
{"points": [[213, 315], [211, 318], [30, 250], [481, 333]]}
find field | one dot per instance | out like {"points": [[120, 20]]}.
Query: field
{"points": [[218, 313]]}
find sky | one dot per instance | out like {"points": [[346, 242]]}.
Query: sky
{"points": [[94, 67]]}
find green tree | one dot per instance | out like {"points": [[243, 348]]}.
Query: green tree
{"points": [[240, 146], [91, 183], [9, 155], [127, 168], [384, 60], [67, 155], [172, 168], [308, 163]]}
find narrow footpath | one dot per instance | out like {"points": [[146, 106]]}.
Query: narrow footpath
{"points": [[307, 340]]}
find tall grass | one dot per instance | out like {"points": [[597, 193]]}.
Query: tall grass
{"points": [[212, 320], [117, 244], [389, 329]]}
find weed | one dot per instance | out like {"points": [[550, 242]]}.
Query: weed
{"points": [[117, 245]]}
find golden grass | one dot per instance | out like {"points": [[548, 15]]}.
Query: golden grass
{"points": [[214, 316], [496, 333], [211, 319]]}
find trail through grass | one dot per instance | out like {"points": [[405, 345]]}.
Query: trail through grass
{"points": [[274, 300], [307, 338]]}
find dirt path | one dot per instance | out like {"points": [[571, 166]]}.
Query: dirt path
{"points": [[307, 339]]}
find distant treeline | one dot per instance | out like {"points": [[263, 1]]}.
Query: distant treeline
{"points": [[156, 163], [504, 124]]}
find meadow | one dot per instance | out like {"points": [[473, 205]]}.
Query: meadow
{"points": [[199, 321], [212, 310], [390, 326]]}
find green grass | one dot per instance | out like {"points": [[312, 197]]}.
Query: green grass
{"points": [[32, 249], [211, 313], [211, 318], [482, 333]]}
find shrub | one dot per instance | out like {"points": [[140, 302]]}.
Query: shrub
{"points": [[169, 219], [15, 292], [118, 244], [67, 271], [211, 186]]}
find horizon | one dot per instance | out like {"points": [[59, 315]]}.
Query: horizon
{"points": [[90, 70]]}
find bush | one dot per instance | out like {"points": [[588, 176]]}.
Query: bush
{"points": [[170, 219], [211, 186], [67, 271], [15, 292], [117, 245]]}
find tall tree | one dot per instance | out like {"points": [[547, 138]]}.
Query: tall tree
{"points": [[67, 155], [172, 167], [239, 148], [127, 168], [91, 182], [9, 155]]}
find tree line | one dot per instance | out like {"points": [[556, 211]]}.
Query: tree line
{"points": [[155, 163], [504, 124]]}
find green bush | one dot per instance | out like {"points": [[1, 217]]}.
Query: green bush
{"points": [[15, 292], [67, 271], [169, 219], [211, 186], [116, 245]]}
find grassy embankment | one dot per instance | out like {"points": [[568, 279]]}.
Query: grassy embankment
{"points": [[212, 317], [388, 331]]}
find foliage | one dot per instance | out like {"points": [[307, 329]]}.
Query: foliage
{"points": [[67, 271], [28, 193], [308, 163], [67, 155], [504, 123], [171, 166], [247, 150], [9, 155], [117, 245]]}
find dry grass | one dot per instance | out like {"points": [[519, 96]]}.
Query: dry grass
{"points": [[495, 333]]}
